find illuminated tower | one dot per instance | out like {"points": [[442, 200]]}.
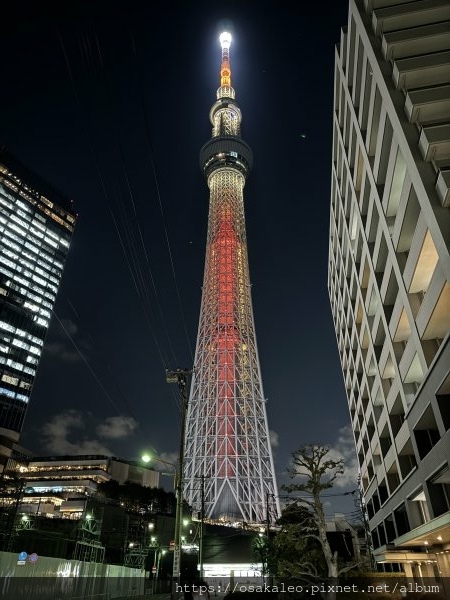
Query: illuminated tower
{"points": [[227, 451]]}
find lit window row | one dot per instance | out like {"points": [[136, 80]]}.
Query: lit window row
{"points": [[20, 332], [35, 259], [29, 295], [5, 197], [12, 380], [22, 228], [34, 228], [41, 207], [17, 258], [20, 344], [10, 240], [14, 265], [27, 284], [17, 365], [14, 395]]}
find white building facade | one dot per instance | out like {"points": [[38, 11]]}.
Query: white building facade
{"points": [[389, 270]]}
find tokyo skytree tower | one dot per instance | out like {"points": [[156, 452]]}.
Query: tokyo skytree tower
{"points": [[228, 464]]}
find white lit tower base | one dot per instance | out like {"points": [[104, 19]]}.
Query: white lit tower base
{"points": [[227, 450]]}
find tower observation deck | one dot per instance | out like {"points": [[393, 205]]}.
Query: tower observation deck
{"points": [[228, 464]]}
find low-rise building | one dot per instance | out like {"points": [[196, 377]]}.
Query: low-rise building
{"points": [[57, 486]]}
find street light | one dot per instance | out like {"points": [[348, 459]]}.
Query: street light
{"points": [[154, 544], [147, 458], [158, 554]]}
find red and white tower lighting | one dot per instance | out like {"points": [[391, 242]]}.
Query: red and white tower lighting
{"points": [[227, 449]]}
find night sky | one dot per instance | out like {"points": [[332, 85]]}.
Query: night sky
{"points": [[109, 103]]}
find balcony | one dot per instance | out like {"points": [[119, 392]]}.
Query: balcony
{"points": [[443, 187], [418, 40], [422, 71], [434, 142], [429, 104], [404, 16]]}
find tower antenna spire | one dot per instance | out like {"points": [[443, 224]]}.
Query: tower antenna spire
{"points": [[225, 68]]}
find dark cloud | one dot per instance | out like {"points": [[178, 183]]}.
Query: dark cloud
{"points": [[117, 427], [68, 433]]}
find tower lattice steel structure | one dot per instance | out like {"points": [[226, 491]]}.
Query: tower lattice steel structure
{"points": [[228, 464]]}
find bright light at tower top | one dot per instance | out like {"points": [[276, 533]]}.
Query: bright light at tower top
{"points": [[225, 70], [225, 39]]}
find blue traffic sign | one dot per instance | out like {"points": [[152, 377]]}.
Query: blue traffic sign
{"points": [[23, 555], [33, 557]]}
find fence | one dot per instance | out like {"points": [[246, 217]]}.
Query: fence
{"points": [[33, 577]]}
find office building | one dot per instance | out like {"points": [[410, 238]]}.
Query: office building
{"points": [[389, 270], [36, 225]]}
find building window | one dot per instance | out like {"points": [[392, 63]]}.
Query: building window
{"points": [[10, 380], [443, 401], [426, 263], [426, 432], [401, 520], [419, 512], [439, 491], [390, 528]]}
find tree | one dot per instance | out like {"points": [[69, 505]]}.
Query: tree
{"points": [[297, 557], [137, 498], [260, 549], [317, 472], [109, 489]]}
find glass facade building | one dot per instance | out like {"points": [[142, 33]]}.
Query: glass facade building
{"points": [[36, 225]]}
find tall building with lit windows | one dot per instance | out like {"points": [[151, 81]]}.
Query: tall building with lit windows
{"points": [[389, 270], [36, 225]]}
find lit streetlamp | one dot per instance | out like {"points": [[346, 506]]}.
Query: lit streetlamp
{"points": [[182, 377], [160, 552], [147, 458]]}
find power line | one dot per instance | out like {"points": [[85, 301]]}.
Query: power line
{"points": [[106, 196], [102, 387], [149, 138], [290, 497]]}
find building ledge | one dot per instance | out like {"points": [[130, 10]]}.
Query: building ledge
{"points": [[418, 40], [419, 535], [383, 554], [396, 17], [428, 104], [434, 142], [422, 71], [443, 187]]}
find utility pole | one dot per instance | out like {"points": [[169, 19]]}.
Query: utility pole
{"points": [[202, 516], [367, 534], [182, 377], [267, 532]]}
